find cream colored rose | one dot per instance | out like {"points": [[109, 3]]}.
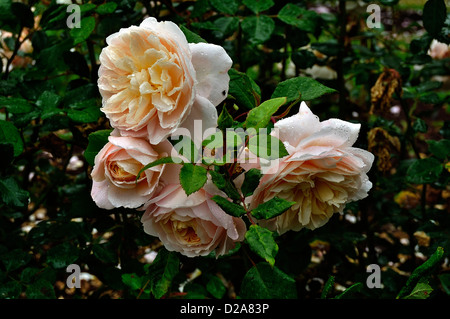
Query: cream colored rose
{"points": [[322, 172], [152, 80], [116, 168], [193, 225]]}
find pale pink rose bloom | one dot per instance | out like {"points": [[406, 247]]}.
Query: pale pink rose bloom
{"points": [[193, 225], [438, 50], [152, 80], [117, 166], [322, 172]]}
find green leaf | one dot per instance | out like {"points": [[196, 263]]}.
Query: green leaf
{"points": [[428, 86], [440, 149], [241, 88], [303, 59], [229, 207], [106, 8], [307, 88], [225, 26], [419, 125], [192, 177], [97, 140], [7, 151], [88, 115], [327, 287], [15, 259], [215, 287], [10, 134], [162, 271], [421, 271], [329, 48], [12, 194], [251, 181], [298, 17], [104, 253], [272, 208], [15, 105], [76, 63], [267, 147], [23, 14], [160, 161], [86, 7], [389, 2], [41, 289], [10, 289], [260, 116], [48, 100], [424, 171], [186, 147], [350, 290], [430, 98], [261, 241], [225, 185], [225, 6], [62, 255], [258, 6], [5, 9], [420, 45], [191, 36], [217, 179], [133, 281], [445, 282], [225, 120], [421, 291], [81, 34], [265, 282], [29, 274], [258, 29], [434, 15], [200, 8]]}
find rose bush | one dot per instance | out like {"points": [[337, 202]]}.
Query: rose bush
{"points": [[292, 229], [152, 82]]}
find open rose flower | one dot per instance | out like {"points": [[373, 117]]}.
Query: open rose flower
{"points": [[117, 166], [152, 80], [193, 225], [322, 172]]}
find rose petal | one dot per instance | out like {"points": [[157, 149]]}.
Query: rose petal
{"points": [[167, 29], [99, 194], [297, 127], [135, 144], [126, 197], [211, 63], [201, 122]]}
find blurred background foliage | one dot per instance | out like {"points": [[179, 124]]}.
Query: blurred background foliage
{"points": [[394, 80]]}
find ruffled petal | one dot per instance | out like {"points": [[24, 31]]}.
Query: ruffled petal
{"points": [[297, 127], [99, 193], [201, 122], [211, 63]]}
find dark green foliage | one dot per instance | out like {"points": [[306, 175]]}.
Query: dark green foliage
{"points": [[51, 129]]}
